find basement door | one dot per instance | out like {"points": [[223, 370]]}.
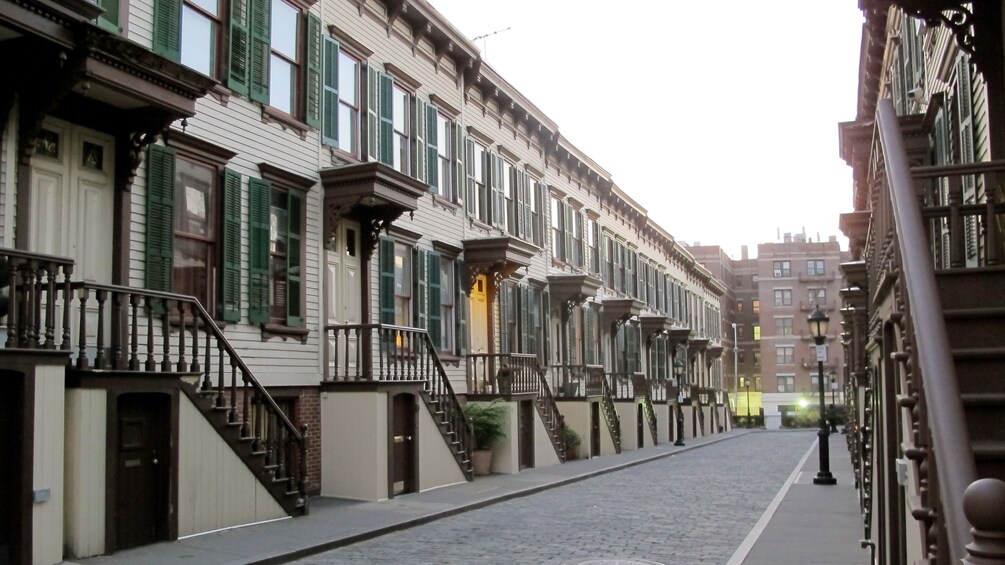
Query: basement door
{"points": [[594, 429], [640, 426], [13, 489], [526, 438], [143, 469], [404, 460], [343, 292]]}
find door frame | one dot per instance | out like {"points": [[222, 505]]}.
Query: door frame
{"points": [[111, 460], [391, 398]]}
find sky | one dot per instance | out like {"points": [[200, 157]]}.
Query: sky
{"points": [[720, 119]]}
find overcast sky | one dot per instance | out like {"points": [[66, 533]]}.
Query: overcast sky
{"points": [[719, 118]]}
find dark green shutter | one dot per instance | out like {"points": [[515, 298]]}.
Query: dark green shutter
{"points": [[505, 316], [259, 193], [237, 74], [533, 307], [458, 156], [312, 96], [231, 246], [420, 280], [525, 330], [567, 225], [498, 193], [329, 111], [259, 51], [386, 261], [110, 19], [589, 333], [417, 154], [167, 28], [469, 178], [432, 150], [461, 302], [372, 114], [435, 318], [160, 217], [294, 262], [386, 102]]}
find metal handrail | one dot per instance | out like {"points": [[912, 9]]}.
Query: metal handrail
{"points": [[947, 423]]}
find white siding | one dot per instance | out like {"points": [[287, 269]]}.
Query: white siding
{"points": [[86, 417], [354, 445]]}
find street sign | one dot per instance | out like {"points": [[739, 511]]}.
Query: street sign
{"points": [[822, 353]]}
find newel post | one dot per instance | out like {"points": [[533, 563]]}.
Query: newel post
{"points": [[984, 507]]}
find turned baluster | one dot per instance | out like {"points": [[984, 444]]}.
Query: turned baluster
{"points": [[246, 427], [380, 354], [82, 331], [67, 294], [50, 308], [13, 307], [956, 231], [150, 309], [166, 336], [181, 365], [232, 413], [28, 295], [991, 227], [207, 381], [99, 354], [36, 319], [219, 375], [194, 367], [116, 351], [257, 422], [281, 449], [134, 332]]}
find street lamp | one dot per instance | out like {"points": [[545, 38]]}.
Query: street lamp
{"points": [[678, 371], [736, 366], [832, 415], [818, 329]]}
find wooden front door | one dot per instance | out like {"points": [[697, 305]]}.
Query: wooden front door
{"points": [[13, 490], [594, 429], [480, 316], [343, 293], [143, 469], [403, 439], [526, 439], [640, 425]]}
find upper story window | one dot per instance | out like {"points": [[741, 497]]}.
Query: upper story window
{"points": [[341, 98], [557, 228], [785, 355], [755, 306], [284, 57], [593, 244], [536, 203], [739, 306], [441, 170], [815, 267], [817, 296], [781, 269], [508, 187], [400, 156], [576, 237], [200, 28], [783, 297], [783, 326], [478, 199], [757, 332]]}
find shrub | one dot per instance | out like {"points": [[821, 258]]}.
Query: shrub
{"points": [[488, 421]]}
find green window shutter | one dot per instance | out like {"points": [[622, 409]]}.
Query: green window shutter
{"points": [[525, 330], [259, 237], [294, 262], [435, 319], [110, 19], [418, 153], [386, 102], [231, 246], [589, 346], [420, 278], [470, 181], [485, 198], [534, 311], [372, 113], [498, 196], [167, 29], [567, 253], [505, 316], [312, 96], [604, 261], [329, 111], [259, 51], [461, 304], [432, 150], [160, 217], [526, 218], [237, 73], [386, 264]]}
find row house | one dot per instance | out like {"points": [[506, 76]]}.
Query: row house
{"points": [[921, 310], [258, 251]]}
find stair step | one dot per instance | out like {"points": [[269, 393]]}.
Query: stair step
{"points": [[975, 327], [979, 370], [969, 288]]}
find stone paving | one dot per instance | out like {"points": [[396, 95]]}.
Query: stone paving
{"points": [[691, 508]]}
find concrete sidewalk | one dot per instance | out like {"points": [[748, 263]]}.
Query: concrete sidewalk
{"points": [[335, 522], [808, 523]]}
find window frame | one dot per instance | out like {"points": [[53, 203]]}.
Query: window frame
{"points": [[781, 269]]}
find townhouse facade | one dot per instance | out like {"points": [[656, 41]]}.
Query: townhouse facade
{"points": [[256, 252], [921, 308]]}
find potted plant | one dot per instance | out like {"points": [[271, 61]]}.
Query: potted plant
{"points": [[488, 420], [572, 442]]}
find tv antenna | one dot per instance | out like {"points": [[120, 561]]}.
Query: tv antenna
{"points": [[485, 50]]}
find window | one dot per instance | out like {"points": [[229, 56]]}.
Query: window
{"points": [[757, 357], [593, 244], [785, 355], [478, 201], [284, 60], [815, 267], [817, 296], [781, 269], [537, 235], [576, 233], [783, 297], [200, 28], [275, 251], [340, 122], [402, 285], [400, 156], [441, 166], [194, 225], [557, 228], [783, 326], [755, 306], [739, 306], [447, 316], [786, 383], [757, 332]]}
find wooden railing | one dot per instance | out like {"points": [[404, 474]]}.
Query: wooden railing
{"points": [[383, 352], [548, 409], [658, 390], [623, 385], [577, 381], [34, 279], [117, 328], [610, 414], [949, 458], [502, 373]]}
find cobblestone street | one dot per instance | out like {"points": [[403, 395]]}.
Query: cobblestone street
{"points": [[694, 507]]}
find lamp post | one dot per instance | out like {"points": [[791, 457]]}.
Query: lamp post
{"points": [[678, 371], [832, 415], [818, 329], [736, 367]]}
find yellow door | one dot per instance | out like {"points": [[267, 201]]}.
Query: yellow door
{"points": [[479, 316]]}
